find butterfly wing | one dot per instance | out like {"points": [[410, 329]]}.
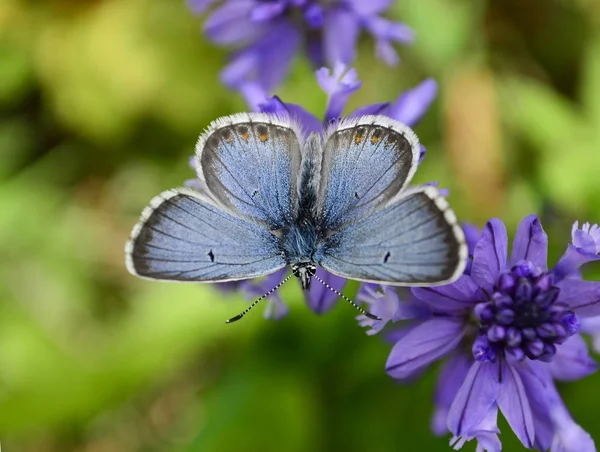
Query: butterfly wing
{"points": [[366, 162], [182, 237], [249, 164], [415, 240]]}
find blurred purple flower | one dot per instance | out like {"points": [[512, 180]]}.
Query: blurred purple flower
{"points": [[266, 35], [339, 85], [520, 322]]}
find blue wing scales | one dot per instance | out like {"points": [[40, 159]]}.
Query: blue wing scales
{"points": [[249, 164], [182, 237], [414, 240], [366, 162]]}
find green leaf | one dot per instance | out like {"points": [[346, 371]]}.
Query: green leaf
{"points": [[590, 84], [540, 114]]}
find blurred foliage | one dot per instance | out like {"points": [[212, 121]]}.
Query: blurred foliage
{"points": [[100, 105]]}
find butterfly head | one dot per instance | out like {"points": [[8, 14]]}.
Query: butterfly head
{"points": [[304, 271]]}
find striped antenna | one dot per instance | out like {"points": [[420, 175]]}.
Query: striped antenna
{"points": [[262, 297], [341, 295]]}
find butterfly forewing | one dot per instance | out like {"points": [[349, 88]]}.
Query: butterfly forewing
{"points": [[249, 164], [366, 162], [181, 237], [414, 240]]}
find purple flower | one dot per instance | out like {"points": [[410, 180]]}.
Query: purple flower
{"points": [[584, 248], [267, 34], [508, 327], [339, 85]]}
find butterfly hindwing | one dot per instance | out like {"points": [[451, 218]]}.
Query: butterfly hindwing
{"points": [[413, 240], [366, 162], [249, 164], [182, 237]]}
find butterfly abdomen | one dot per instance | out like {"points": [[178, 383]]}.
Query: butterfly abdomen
{"points": [[309, 178]]}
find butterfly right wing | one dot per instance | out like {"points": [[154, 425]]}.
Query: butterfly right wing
{"points": [[413, 241], [181, 237], [366, 162]]}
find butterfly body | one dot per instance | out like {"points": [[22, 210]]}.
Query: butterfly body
{"points": [[273, 197]]}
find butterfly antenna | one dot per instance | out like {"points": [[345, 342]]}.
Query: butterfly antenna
{"points": [[341, 295], [262, 297]]}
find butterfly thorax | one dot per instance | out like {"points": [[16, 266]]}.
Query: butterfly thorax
{"points": [[300, 247]]}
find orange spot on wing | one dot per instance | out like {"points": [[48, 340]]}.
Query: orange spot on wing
{"points": [[374, 139], [358, 139]]}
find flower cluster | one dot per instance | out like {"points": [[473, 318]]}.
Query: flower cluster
{"points": [[507, 328], [266, 35]]}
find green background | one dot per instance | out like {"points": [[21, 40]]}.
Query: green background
{"points": [[101, 103]]}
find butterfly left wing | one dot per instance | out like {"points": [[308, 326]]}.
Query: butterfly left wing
{"points": [[181, 237], [249, 164], [413, 240]]}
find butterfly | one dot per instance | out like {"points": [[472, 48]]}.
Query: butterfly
{"points": [[273, 196]]}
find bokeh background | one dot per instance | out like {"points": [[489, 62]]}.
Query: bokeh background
{"points": [[100, 106]]}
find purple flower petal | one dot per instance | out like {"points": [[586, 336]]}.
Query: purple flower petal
{"points": [[313, 15], [585, 248], [458, 296], [254, 95], [489, 257], [476, 397], [306, 120], [276, 309], [373, 109], [423, 345], [570, 262], [263, 12], [586, 238], [319, 298], [384, 304], [471, 236], [339, 86], [486, 434], [365, 8], [554, 426], [583, 297], [340, 33], [277, 50], [385, 32], [412, 104], [422, 152], [531, 243], [591, 326], [449, 381], [572, 360], [514, 404], [239, 69], [230, 23]]}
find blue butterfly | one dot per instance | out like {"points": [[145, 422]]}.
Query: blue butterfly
{"points": [[274, 197]]}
